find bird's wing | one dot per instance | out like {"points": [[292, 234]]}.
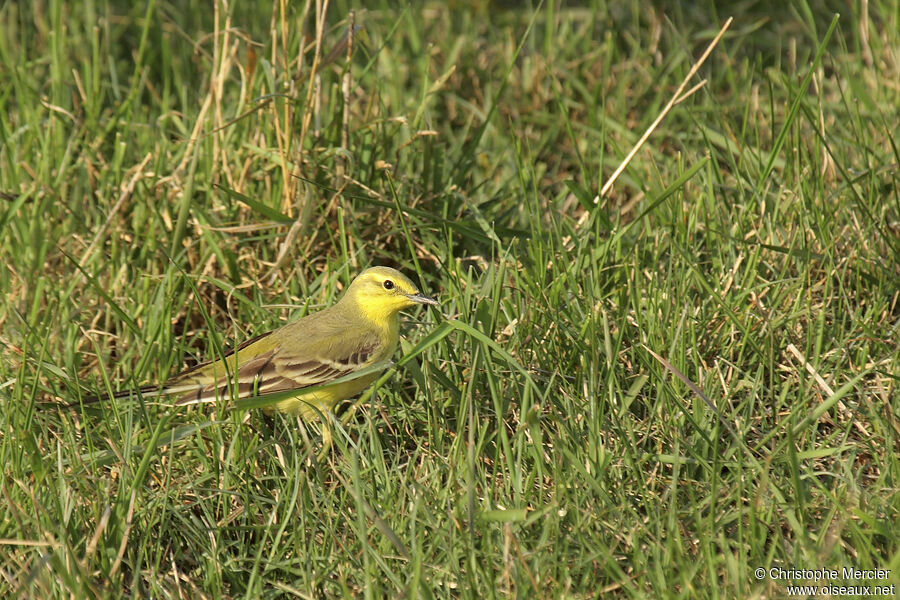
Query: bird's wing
{"points": [[280, 370]]}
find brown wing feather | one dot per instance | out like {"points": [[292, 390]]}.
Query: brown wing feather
{"points": [[268, 373]]}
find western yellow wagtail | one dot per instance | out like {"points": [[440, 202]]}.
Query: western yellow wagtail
{"points": [[360, 331]]}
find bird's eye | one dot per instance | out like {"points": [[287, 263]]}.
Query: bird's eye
{"points": [[388, 284]]}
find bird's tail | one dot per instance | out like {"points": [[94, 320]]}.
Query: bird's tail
{"points": [[146, 391]]}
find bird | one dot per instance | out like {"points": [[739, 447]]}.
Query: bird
{"points": [[360, 331]]}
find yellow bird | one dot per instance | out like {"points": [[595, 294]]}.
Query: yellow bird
{"points": [[360, 331]]}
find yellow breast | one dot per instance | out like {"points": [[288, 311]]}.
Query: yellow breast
{"points": [[309, 405]]}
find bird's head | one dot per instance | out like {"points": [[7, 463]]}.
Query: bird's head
{"points": [[382, 292]]}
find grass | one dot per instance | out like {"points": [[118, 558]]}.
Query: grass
{"points": [[176, 178]]}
